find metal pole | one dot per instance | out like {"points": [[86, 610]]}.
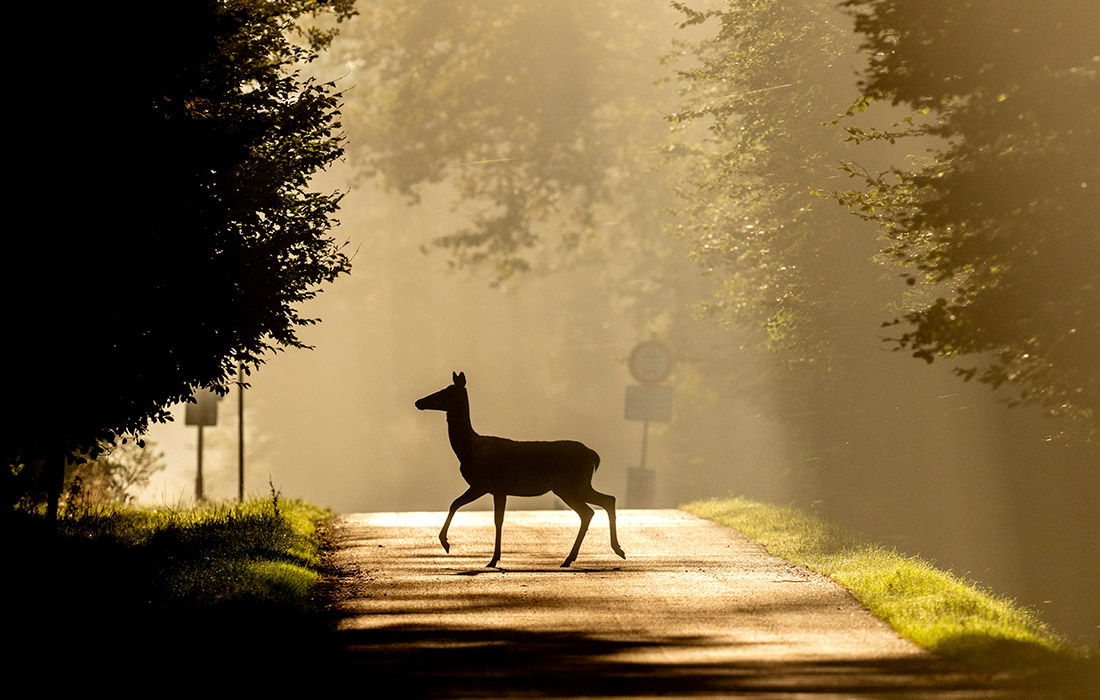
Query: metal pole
{"points": [[240, 432], [198, 475], [645, 438]]}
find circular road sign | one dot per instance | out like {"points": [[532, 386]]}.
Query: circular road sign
{"points": [[650, 362]]}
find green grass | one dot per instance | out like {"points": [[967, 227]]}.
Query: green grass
{"points": [[944, 613], [145, 589]]}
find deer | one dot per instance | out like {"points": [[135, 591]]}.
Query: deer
{"points": [[503, 467]]}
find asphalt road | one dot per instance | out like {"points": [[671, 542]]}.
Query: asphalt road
{"points": [[695, 610]]}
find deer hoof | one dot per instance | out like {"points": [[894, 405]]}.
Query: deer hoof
{"points": [[446, 546], [565, 564], [620, 552]]}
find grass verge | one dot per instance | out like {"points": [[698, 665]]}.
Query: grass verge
{"points": [[950, 616], [136, 592]]}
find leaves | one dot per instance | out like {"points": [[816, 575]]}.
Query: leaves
{"points": [[762, 83], [191, 252], [538, 118], [1005, 211]]}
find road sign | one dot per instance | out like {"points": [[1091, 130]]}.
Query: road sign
{"points": [[650, 362], [204, 411], [649, 403], [201, 413]]}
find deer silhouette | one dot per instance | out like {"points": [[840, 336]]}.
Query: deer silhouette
{"points": [[506, 467]]}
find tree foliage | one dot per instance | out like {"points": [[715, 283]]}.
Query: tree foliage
{"points": [[1001, 222], [114, 477], [756, 89], [189, 233], [533, 116]]}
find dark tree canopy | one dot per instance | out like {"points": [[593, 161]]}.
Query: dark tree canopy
{"points": [[1002, 222], [187, 234]]}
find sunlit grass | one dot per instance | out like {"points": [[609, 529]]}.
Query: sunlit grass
{"points": [[944, 613], [220, 582]]}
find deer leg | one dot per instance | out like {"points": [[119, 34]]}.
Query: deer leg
{"points": [[607, 502], [470, 494], [499, 500], [577, 503]]}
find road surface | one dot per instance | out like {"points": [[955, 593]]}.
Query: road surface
{"points": [[695, 610]]}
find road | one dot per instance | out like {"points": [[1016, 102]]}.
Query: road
{"points": [[695, 610]]}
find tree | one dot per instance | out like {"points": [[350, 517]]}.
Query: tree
{"points": [[113, 477], [999, 225], [536, 119], [189, 234], [757, 88]]}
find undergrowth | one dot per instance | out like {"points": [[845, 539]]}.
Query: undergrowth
{"points": [[146, 589]]}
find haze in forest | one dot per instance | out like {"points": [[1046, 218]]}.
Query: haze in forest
{"points": [[915, 458]]}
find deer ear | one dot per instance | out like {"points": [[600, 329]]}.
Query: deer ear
{"points": [[460, 379]]}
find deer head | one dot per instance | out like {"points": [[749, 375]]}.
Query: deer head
{"points": [[447, 398]]}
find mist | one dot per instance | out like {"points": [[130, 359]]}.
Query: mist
{"points": [[915, 458]]}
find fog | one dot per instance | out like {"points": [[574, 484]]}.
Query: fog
{"points": [[336, 424], [947, 472], [932, 465]]}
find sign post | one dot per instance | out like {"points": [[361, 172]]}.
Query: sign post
{"points": [[201, 413], [650, 363], [240, 432]]}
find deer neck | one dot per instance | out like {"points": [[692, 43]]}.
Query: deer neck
{"points": [[460, 431]]}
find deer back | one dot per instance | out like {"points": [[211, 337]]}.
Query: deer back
{"points": [[521, 468]]}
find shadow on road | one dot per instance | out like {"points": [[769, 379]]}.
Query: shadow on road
{"points": [[698, 611], [429, 662]]}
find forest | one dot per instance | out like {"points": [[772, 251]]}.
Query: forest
{"points": [[866, 231]]}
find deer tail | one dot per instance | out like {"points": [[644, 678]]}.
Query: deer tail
{"points": [[595, 460]]}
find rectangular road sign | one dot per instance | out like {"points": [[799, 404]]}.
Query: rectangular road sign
{"points": [[204, 411], [649, 402]]}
